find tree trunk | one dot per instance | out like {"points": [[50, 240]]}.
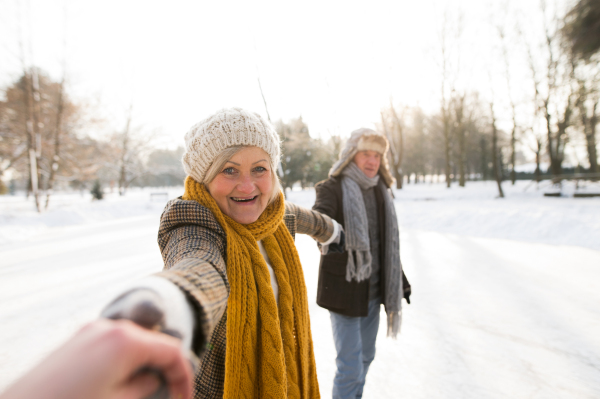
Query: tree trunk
{"points": [[513, 151], [462, 140], [591, 139], [31, 139], [396, 139], [484, 159], [57, 137], [495, 171], [561, 138], [462, 160], [447, 151], [538, 156], [124, 155]]}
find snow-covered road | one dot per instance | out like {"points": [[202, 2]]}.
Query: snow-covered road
{"points": [[490, 318]]}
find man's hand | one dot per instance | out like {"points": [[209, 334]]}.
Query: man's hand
{"points": [[102, 361], [407, 291], [339, 245]]}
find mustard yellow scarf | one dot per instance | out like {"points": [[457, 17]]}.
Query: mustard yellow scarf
{"points": [[269, 349]]}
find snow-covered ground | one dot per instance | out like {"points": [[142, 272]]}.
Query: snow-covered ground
{"points": [[505, 299]]}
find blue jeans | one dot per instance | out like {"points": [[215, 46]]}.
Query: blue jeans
{"points": [[354, 339]]}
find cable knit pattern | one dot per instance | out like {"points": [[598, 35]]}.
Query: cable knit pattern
{"points": [[227, 128], [269, 349]]}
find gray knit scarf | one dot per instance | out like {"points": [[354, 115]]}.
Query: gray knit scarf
{"points": [[358, 245]]}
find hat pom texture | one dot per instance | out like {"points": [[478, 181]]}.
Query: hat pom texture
{"points": [[227, 128]]}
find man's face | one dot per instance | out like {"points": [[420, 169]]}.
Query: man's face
{"points": [[368, 161]]}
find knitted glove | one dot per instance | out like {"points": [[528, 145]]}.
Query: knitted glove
{"points": [[158, 305], [337, 245], [144, 307]]}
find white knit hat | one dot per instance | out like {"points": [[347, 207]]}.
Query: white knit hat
{"points": [[227, 128]]}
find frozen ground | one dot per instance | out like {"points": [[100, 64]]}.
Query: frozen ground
{"points": [[505, 299]]}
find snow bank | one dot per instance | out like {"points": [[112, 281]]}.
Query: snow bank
{"points": [[19, 219], [524, 215]]}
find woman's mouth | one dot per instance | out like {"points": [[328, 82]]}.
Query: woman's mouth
{"points": [[244, 199]]}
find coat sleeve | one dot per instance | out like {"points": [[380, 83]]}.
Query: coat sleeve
{"points": [[317, 225], [194, 261], [326, 201]]}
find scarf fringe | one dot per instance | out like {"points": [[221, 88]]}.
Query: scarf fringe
{"points": [[394, 322], [353, 271]]}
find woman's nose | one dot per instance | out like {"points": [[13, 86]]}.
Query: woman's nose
{"points": [[246, 185]]}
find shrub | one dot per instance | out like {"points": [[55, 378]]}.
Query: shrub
{"points": [[97, 191]]}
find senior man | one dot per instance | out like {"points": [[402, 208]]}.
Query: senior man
{"points": [[354, 284]]}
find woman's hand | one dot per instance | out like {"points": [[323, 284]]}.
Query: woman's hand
{"points": [[102, 361], [338, 244]]}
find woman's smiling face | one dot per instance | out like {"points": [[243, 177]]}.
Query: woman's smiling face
{"points": [[244, 185]]}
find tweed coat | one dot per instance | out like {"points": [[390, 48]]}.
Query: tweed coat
{"points": [[193, 246], [333, 291]]}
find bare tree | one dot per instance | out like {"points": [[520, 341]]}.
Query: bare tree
{"points": [[496, 168], [588, 97], [538, 137], [556, 138], [445, 113], [582, 29], [58, 127], [127, 152], [30, 88], [419, 138], [12, 142], [57, 136], [460, 134], [513, 134], [580, 34], [396, 140], [392, 151]]}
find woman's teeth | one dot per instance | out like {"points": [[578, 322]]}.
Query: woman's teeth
{"points": [[243, 199]]}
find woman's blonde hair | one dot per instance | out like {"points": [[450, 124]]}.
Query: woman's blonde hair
{"points": [[228, 153]]}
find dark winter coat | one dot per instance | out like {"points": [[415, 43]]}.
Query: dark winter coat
{"points": [[334, 292]]}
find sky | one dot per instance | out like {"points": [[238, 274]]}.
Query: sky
{"points": [[335, 63]]}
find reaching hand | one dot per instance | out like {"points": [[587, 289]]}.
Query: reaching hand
{"points": [[103, 360], [158, 305], [339, 245], [407, 291], [142, 306]]}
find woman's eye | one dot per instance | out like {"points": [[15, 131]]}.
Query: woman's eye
{"points": [[229, 171], [260, 169]]}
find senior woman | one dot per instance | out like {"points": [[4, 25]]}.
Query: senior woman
{"points": [[233, 287]]}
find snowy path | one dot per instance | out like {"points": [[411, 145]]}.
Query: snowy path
{"points": [[52, 285], [490, 318]]}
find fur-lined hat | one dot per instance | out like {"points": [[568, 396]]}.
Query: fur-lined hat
{"points": [[364, 139]]}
